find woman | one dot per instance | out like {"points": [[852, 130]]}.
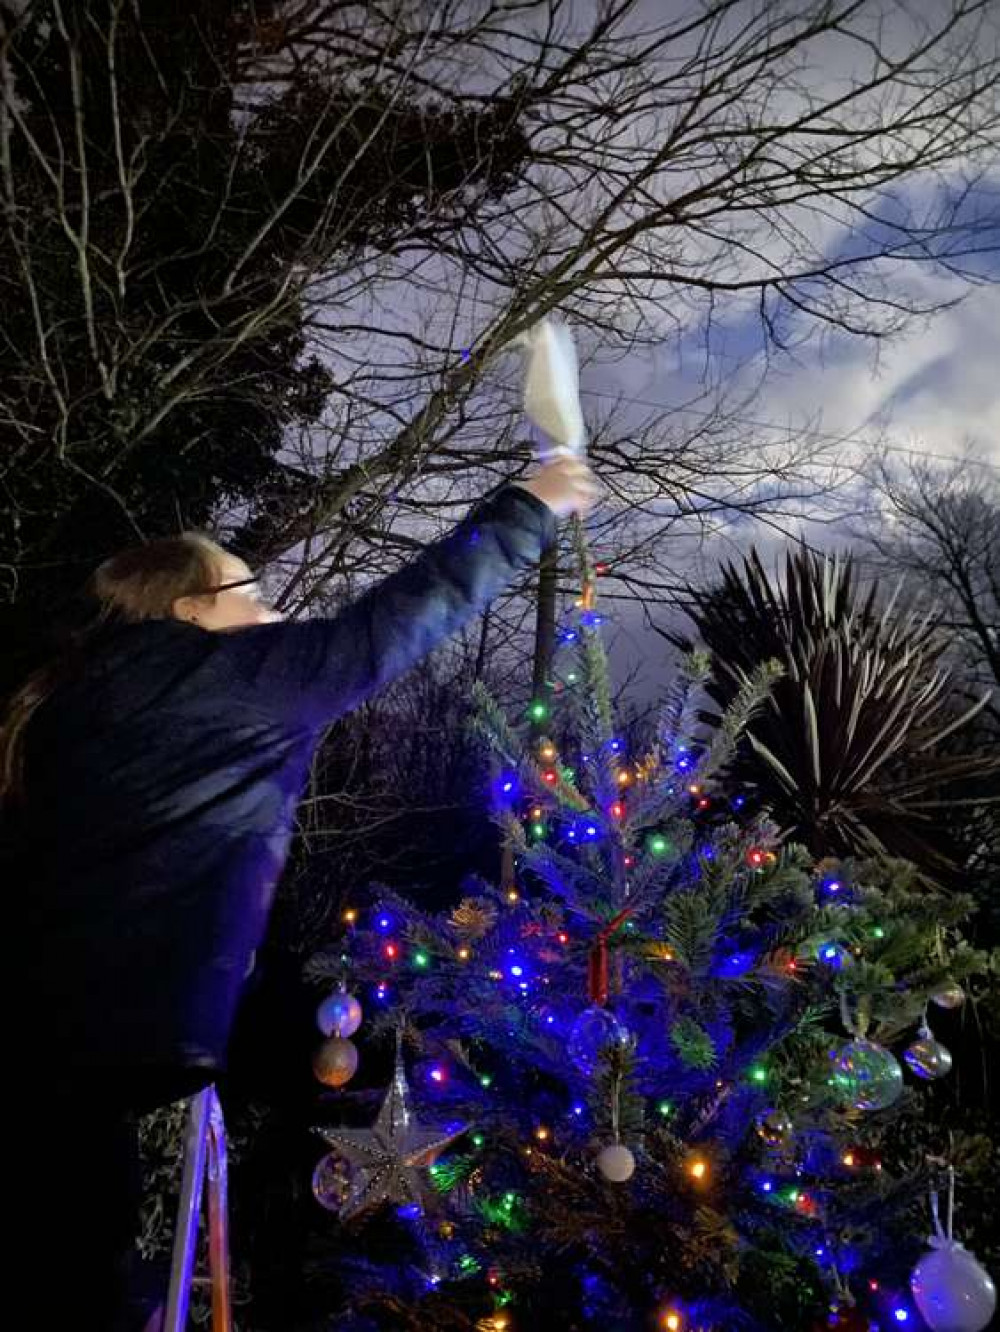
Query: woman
{"points": [[149, 785]]}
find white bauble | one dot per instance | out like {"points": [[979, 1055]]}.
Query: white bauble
{"points": [[952, 1290], [616, 1163]]}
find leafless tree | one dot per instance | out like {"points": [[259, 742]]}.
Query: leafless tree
{"points": [[937, 525], [657, 175]]}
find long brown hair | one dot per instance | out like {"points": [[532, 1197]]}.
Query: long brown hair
{"points": [[141, 583]]}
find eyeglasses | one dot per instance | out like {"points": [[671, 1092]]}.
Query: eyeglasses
{"points": [[252, 584]]}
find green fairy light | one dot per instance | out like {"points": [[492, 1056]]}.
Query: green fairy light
{"points": [[758, 1073], [467, 1263], [878, 932], [538, 710], [478, 1140], [486, 1080], [538, 830], [659, 845], [664, 1108], [506, 1211], [445, 1175], [421, 959]]}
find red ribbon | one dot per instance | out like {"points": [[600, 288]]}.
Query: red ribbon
{"points": [[598, 972]]}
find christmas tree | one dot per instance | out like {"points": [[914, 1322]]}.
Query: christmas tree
{"points": [[650, 1078]]}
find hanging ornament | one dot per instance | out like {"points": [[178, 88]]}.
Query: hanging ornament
{"points": [[949, 996], [332, 1182], [335, 1061], [927, 1057], [616, 1163], [774, 1128], [868, 1074], [594, 1035], [339, 1014], [952, 1290], [390, 1156]]}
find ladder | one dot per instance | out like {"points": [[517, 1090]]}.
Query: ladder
{"points": [[204, 1159]]}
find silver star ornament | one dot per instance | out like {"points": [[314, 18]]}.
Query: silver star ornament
{"points": [[389, 1158]]}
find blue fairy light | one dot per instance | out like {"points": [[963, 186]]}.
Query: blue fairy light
{"points": [[734, 964], [834, 956]]}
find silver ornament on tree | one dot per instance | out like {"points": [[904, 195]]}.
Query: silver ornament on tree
{"points": [[868, 1075], [927, 1057], [951, 1288], [774, 1128], [331, 1182], [595, 1035], [339, 1014], [388, 1159], [335, 1061], [949, 996]]}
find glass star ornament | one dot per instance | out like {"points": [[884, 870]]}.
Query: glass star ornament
{"points": [[388, 1159]]}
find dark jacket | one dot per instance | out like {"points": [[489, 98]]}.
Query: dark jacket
{"points": [[160, 789]]}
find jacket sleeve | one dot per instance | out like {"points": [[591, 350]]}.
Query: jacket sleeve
{"points": [[311, 672]]}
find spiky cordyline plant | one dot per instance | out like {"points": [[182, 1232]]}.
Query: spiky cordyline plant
{"points": [[850, 750]]}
